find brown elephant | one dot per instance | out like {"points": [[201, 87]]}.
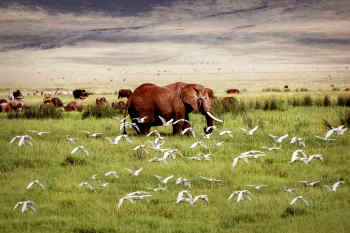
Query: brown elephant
{"points": [[119, 104], [211, 94], [17, 104], [174, 101], [74, 106], [3, 101], [102, 101], [124, 93]]}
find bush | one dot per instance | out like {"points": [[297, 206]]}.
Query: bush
{"points": [[307, 101], [36, 113], [343, 100], [327, 101], [101, 112]]}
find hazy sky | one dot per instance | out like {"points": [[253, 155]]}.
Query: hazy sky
{"points": [[182, 32]]}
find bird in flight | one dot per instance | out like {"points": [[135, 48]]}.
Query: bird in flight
{"points": [[70, 139], [22, 140], [164, 180], [211, 179], [37, 182], [25, 205], [198, 143], [299, 198], [132, 196], [240, 195], [311, 184], [189, 129], [185, 196], [39, 133], [90, 134], [134, 173], [166, 123], [228, 132], [116, 140], [110, 173], [251, 131], [257, 187], [278, 139], [181, 120], [82, 148], [335, 186]]}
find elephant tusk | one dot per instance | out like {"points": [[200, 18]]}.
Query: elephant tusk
{"points": [[214, 118]]}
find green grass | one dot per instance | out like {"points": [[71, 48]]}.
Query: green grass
{"points": [[65, 207]]}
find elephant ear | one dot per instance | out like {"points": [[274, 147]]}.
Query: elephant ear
{"points": [[189, 95]]}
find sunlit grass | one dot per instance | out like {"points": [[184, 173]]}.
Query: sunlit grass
{"points": [[65, 207]]}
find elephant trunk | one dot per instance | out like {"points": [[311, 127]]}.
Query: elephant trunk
{"points": [[205, 109]]}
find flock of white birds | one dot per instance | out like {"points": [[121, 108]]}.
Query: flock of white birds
{"points": [[185, 195]]}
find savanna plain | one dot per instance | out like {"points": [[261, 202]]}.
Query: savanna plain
{"points": [[65, 206]]}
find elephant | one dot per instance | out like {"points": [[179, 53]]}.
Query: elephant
{"points": [[233, 91], [5, 107], [211, 94], [124, 93], [74, 106], [174, 101]]}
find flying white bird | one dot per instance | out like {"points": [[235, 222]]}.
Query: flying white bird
{"points": [[185, 196], [257, 187], [111, 173], [39, 133], [129, 125], [82, 148], [153, 132], [104, 185], [140, 120], [185, 181], [297, 140], [271, 148], [155, 159], [90, 134], [340, 130], [189, 129], [171, 152], [242, 157], [134, 173], [278, 139], [198, 143], [25, 205], [93, 177], [299, 198], [207, 136], [334, 187], [251, 131], [22, 140], [288, 190], [325, 138], [86, 184], [70, 139], [156, 146], [295, 156], [37, 182], [311, 184], [181, 120], [135, 195], [159, 188], [241, 194], [166, 123], [211, 179], [141, 148], [116, 140], [317, 156], [164, 180], [219, 143], [228, 132]]}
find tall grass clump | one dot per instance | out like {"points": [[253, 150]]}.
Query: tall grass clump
{"points": [[34, 112], [101, 111], [327, 101], [307, 101], [343, 100], [233, 106]]}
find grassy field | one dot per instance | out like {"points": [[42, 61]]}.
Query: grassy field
{"points": [[64, 206]]}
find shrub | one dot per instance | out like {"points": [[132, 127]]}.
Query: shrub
{"points": [[335, 89], [343, 100], [101, 112], [327, 101], [36, 113], [307, 101]]}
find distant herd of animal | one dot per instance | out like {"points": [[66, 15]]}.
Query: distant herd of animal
{"points": [[50, 99]]}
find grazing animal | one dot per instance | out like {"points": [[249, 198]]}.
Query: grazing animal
{"points": [[17, 95], [174, 101], [74, 106], [102, 101], [233, 91], [119, 104], [80, 94], [211, 93], [347, 89], [3, 101], [5, 107], [17, 104], [53, 103], [124, 93], [228, 100]]}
